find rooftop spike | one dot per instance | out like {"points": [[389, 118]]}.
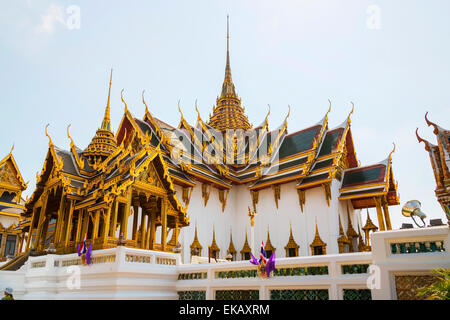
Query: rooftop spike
{"points": [[227, 68], [106, 124]]}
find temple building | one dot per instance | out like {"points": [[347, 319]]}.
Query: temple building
{"points": [[217, 188], [440, 162], [11, 208]]}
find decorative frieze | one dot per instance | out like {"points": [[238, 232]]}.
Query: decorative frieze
{"points": [[355, 268], [237, 295], [192, 295], [223, 195], [276, 193], [193, 276], [255, 196], [357, 294], [327, 189], [301, 198], [299, 294], [187, 192], [206, 190]]}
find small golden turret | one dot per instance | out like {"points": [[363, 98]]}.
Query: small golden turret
{"points": [[229, 113], [103, 143]]}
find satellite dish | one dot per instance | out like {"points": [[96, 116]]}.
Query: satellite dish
{"points": [[412, 209]]}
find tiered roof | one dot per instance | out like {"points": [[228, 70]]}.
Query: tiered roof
{"points": [[440, 162], [228, 114], [11, 186], [362, 184], [92, 183]]}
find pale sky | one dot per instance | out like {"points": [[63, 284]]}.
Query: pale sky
{"points": [[391, 58]]}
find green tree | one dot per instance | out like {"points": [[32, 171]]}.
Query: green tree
{"points": [[440, 289]]}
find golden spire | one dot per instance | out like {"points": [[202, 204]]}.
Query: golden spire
{"points": [[369, 226], [213, 245], [228, 86], [227, 67], [343, 238], [317, 242], [291, 242], [228, 114], [246, 248], [104, 142], [268, 246], [106, 124], [231, 248], [351, 233], [196, 244]]}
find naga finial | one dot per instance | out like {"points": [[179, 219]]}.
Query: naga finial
{"points": [[329, 108], [143, 100], [121, 96], [353, 108], [179, 109], [68, 134], [12, 148], [289, 112], [420, 139], [429, 123], [198, 112], [267, 116], [46, 133], [393, 150]]}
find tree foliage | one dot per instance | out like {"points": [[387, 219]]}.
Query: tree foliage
{"points": [[440, 289]]}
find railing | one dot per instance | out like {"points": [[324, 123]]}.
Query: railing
{"points": [[417, 247], [40, 264], [407, 253], [309, 278], [113, 255], [404, 242]]}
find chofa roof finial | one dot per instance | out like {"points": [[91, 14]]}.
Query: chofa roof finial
{"points": [[436, 129], [50, 142], [143, 100]]}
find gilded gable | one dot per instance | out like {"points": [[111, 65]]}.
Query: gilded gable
{"points": [[7, 175], [150, 176]]}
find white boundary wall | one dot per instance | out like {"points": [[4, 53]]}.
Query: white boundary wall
{"points": [[126, 273]]}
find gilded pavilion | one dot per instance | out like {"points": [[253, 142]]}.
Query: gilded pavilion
{"points": [[139, 186], [440, 163], [11, 208]]}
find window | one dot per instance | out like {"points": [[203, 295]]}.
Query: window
{"points": [[318, 251], [246, 255], [292, 252], [268, 254], [214, 254], [10, 248]]}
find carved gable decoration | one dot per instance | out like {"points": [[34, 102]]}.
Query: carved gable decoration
{"points": [[150, 176], [7, 175]]}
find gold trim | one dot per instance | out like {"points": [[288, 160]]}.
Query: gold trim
{"points": [[317, 242], [291, 244], [301, 198], [276, 193], [206, 192]]}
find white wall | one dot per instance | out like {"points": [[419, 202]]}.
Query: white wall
{"points": [[278, 220]]}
